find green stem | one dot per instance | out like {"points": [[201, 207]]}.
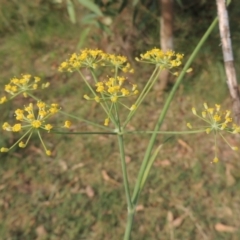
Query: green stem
{"points": [[128, 229], [131, 210], [164, 111], [123, 162], [124, 170]]}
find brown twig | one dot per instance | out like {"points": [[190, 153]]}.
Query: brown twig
{"points": [[228, 58]]}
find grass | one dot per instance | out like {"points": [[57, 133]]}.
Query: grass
{"points": [[78, 193]]}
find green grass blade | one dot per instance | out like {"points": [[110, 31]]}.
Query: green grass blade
{"points": [[91, 6]]}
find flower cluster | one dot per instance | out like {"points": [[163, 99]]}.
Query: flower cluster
{"points": [[22, 85], [217, 122], [112, 90], [119, 62], [31, 122], [89, 58], [165, 60]]}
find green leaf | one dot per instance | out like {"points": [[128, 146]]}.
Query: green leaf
{"points": [[149, 165], [91, 6], [71, 11], [83, 37]]}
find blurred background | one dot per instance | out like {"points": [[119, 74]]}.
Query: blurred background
{"points": [[78, 193]]}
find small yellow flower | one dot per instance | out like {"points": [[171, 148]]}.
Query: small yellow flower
{"points": [[4, 149], [204, 114], [114, 98], [194, 111], [22, 144], [48, 152], [36, 123], [189, 70], [37, 79], [17, 127], [106, 122], [205, 106], [97, 99], [133, 107], [48, 127], [208, 130], [176, 74], [189, 125], [86, 97], [3, 99], [45, 85], [67, 124], [7, 127]]}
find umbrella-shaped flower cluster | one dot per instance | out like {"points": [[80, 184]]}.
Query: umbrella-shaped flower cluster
{"points": [[24, 84], [217, 122], [31, 121]]}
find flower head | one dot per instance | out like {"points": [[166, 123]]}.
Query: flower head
{"points": [[90, 58], [87, 58], [22, 85], [31, 121], [119, 62], [113, 90], [165, 60], [216, 122]]}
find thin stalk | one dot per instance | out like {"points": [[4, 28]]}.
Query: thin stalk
{"points": [[95, 80], [165, 132], [85, 133], [86, 82], [143, 94], [84, 120], [147, 85], [165, 109]]}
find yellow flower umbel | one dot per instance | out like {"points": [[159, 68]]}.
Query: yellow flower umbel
{"points": [[29, 122], [217, 122], [112, 90], [165, 60], [87, 58], [20, 85]]}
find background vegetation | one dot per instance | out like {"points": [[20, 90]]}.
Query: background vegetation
{"points": [[77, 193]]}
